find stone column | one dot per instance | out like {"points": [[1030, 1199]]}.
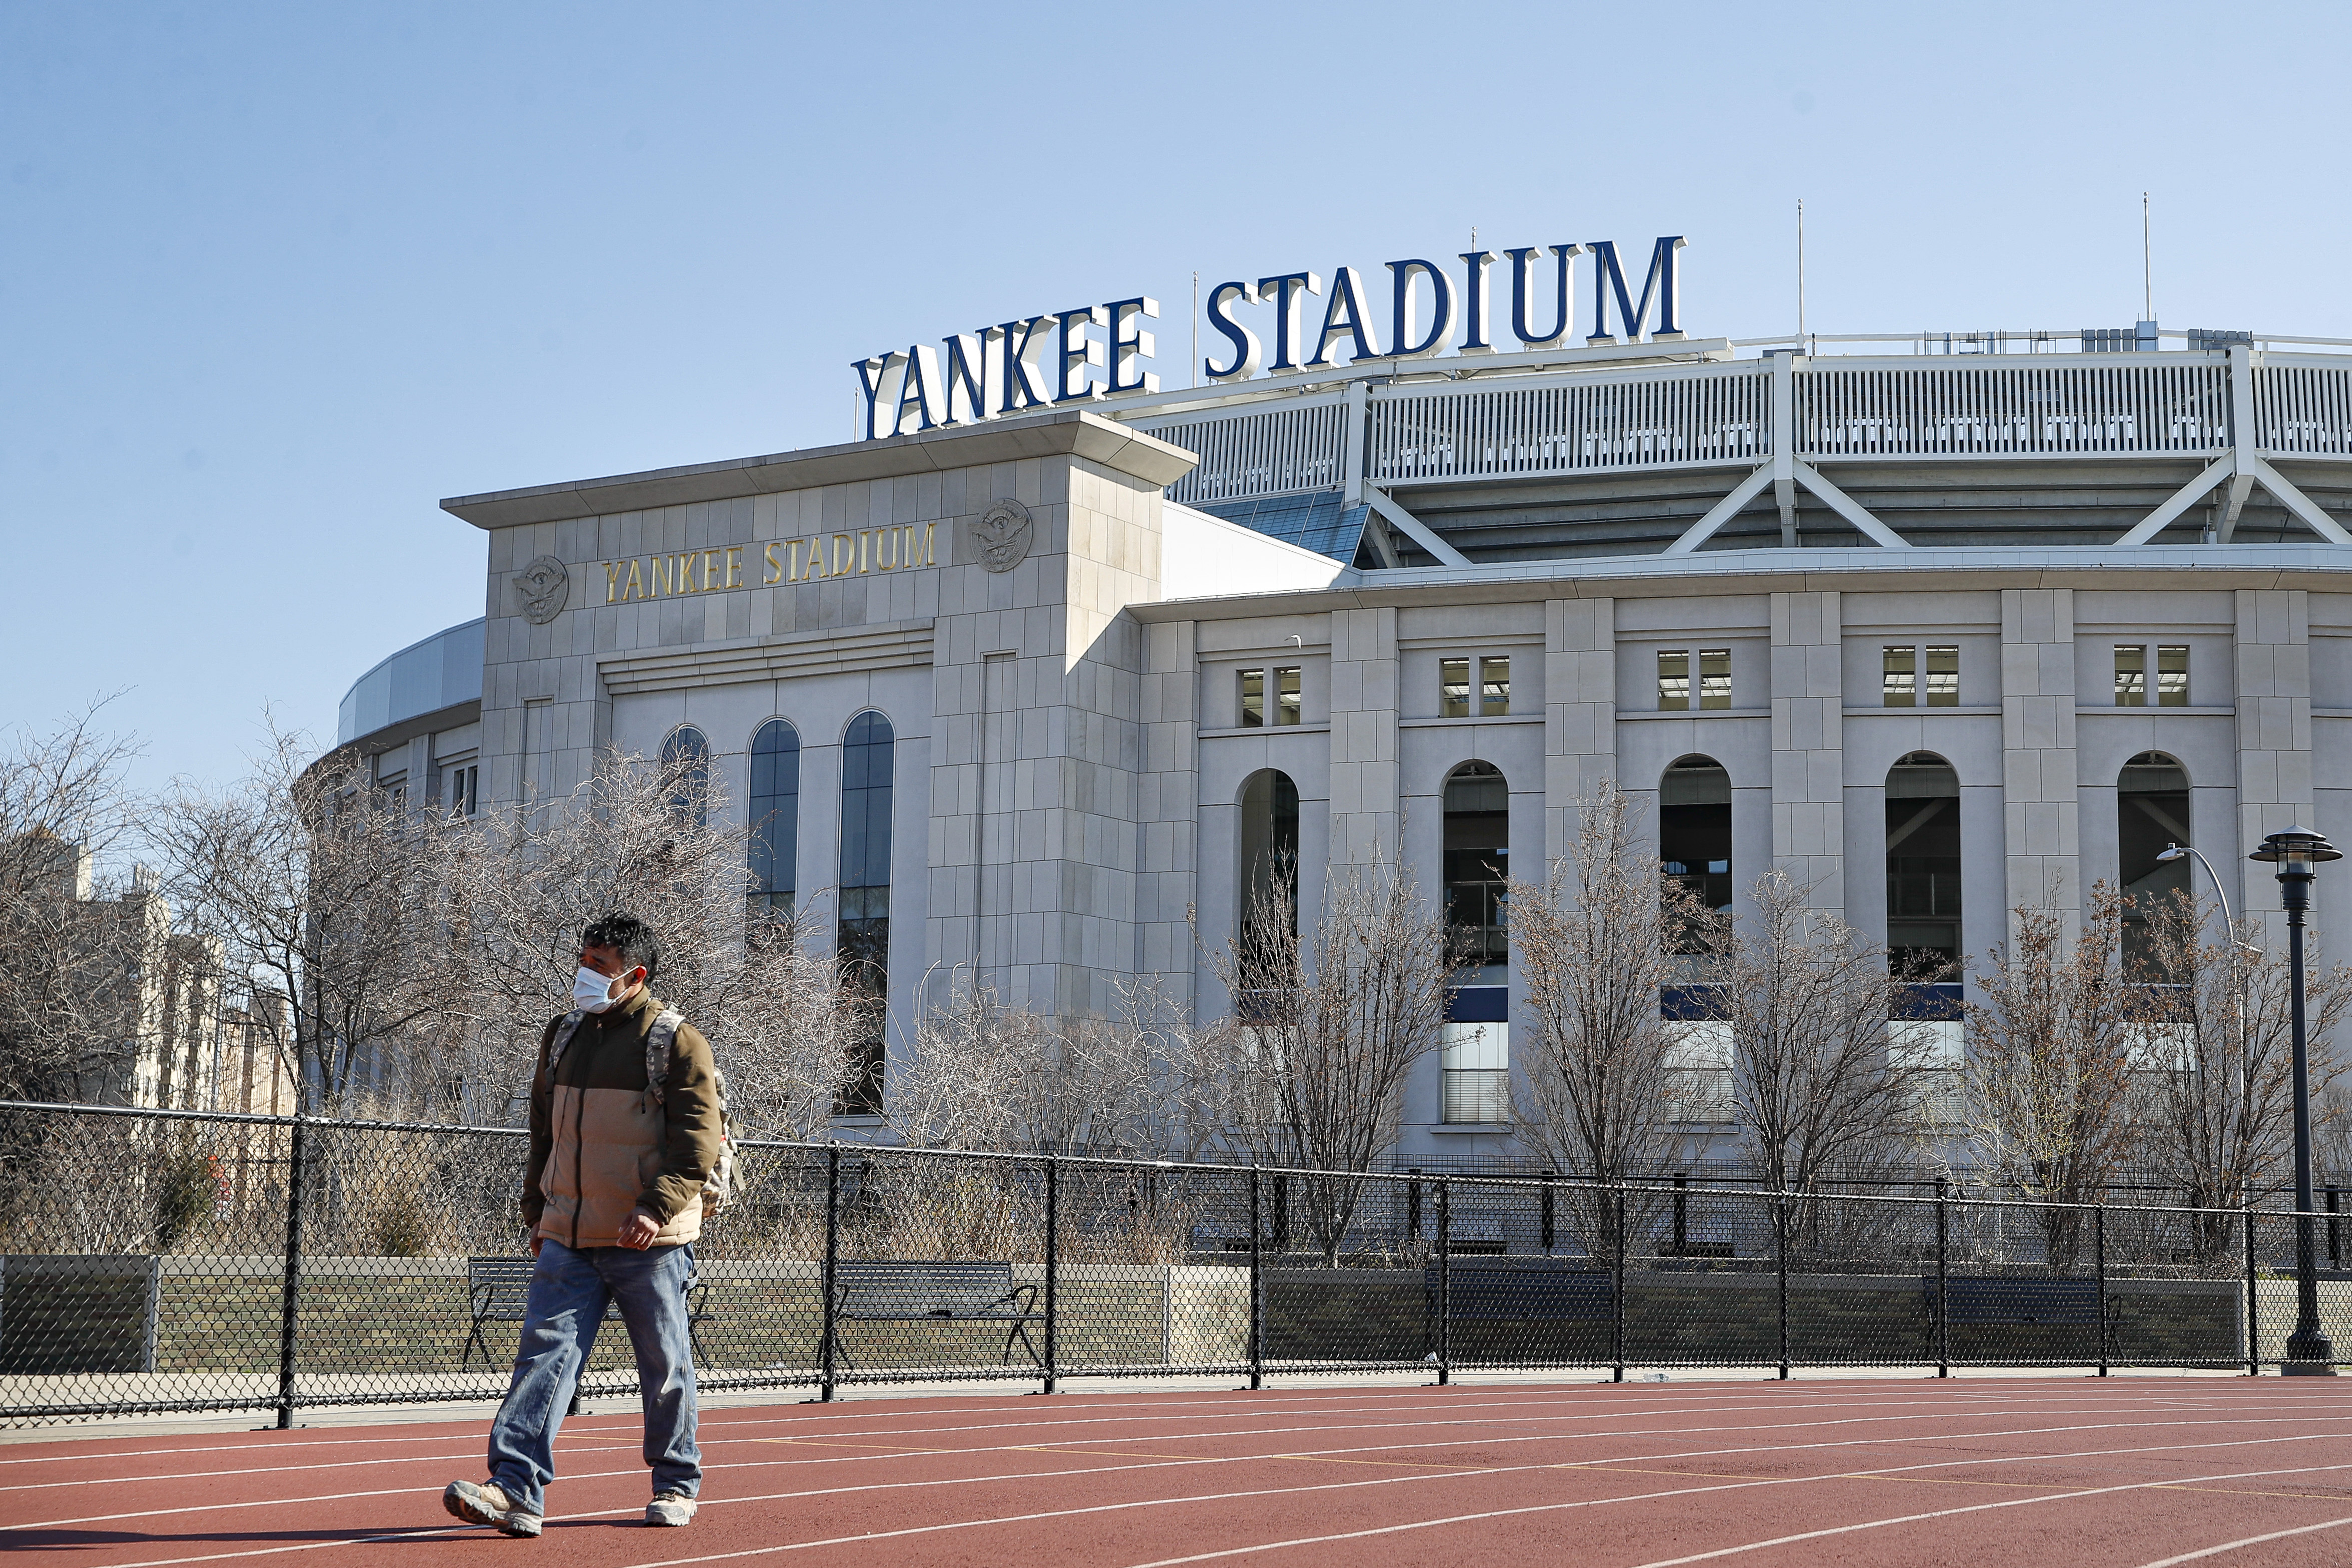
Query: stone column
{"points": [[2273, 680], [1579, 710], [1166, 812], [1364, 695], [1808, 744], [2041, 822]]}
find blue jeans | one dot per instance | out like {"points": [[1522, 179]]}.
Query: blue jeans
{"points": [[569, 1291]]}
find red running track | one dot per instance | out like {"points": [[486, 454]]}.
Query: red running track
{"points": [[2016, 1473]]}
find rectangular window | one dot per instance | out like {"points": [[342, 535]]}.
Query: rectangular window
{"points": [[1474, 1060], [1453, 688], [2172, 674], [1898, 677], [1673, 682], [1495, 685], [1715, 677], [2131, 674], [1253, 699], [1285, 694], [1943, 675]]}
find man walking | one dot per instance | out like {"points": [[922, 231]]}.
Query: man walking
{"points": [[625, 1131]]}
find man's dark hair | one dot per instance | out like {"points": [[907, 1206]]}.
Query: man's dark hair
{"points": [[627, 936]]}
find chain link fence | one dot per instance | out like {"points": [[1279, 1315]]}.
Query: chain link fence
{"points": [[157, 1261]]}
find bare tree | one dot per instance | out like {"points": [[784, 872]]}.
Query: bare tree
{"points": [[1326, 1028], [2048, 1079], [324, 898], [67, 989], [1598, 940], [1819, 1082], [2217, 1082], [990, 1075], [522, 881]]}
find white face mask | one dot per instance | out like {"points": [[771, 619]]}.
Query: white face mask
{"points": [[593, 991]]}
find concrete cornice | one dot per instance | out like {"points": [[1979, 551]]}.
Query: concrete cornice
{"points": [[2317, 566], [1072, 432]]}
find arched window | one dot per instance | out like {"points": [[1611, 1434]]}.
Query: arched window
{"points": [[1923, 863], [2151, 814], [685, 773], [775, 808], [1269, 848], [1694, 828], [1477, 860], [866, 755]]}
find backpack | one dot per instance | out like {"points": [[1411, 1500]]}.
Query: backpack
{"points": [[661, 1051]]}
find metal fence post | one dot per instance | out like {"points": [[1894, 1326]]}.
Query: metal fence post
{"points": [[1257, 1291], [1617, 1295], [1780, 1254], [1052, 1269], [829, 1326], [2335, 1238], [1444, 1284], [1681, 1213], [2253, 1302], [2099, 1262], [290, 1290], [1547, 1215], [1942, 1280]]}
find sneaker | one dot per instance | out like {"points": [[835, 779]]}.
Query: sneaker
{"points": [[486, 1504], [670, 1508]]}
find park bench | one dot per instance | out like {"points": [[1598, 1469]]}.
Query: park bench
{"points": [[1994, 1301], [927, 1293], [498, 1291]]}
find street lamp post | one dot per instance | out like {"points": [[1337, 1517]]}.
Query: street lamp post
{"points": [[2296, 852]]}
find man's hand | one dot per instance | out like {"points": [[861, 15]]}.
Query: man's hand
{"points": [[537, 1242], [639, 1231]]}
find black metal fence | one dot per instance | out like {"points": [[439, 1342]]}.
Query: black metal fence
{"points": [[175, 1262]]}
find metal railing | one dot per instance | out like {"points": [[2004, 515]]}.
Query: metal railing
{"points": [[1296, 446], [186, 1262], [2175, 404], [1676, 417]]}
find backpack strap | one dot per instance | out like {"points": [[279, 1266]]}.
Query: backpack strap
{"points": [[660, 1040], [563, 1033]]}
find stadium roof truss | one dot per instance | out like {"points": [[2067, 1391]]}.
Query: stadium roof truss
{"points": [[1677, 449]]}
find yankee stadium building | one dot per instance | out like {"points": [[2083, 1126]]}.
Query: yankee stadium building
{"points": [[1040, 672]]}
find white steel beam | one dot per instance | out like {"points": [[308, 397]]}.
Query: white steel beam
{"points": [[2180, 500], [1846, 507], [2293, 498], [1413, 527], [1784, 445], [1722, 512], [2242, 485]]}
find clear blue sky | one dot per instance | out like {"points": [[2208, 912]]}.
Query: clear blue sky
{"points": [[275, 278]]}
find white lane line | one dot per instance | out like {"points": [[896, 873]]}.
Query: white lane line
{"points": [[1724, 1551], [1335, 1485], [1255, 1405], [1057, 1446], [278, 1463], [2249, 1541]]}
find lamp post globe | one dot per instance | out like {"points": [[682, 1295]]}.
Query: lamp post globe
{"points": [[2296, 851]]}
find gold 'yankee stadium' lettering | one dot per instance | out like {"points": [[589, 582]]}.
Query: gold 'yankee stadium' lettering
{"points": [[807, 557]]}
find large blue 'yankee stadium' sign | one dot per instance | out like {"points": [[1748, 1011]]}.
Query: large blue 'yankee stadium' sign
{"points": [[1097, 350]]}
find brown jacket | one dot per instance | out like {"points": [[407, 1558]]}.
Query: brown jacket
{"points": [[601, 1148]]}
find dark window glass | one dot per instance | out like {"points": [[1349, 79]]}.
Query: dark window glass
{"points": [[2151, 815], [864, 934], [1923, 863], [775, 808], [1694, 828], [1269, 844], [1477, 860], [685, 773]]}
